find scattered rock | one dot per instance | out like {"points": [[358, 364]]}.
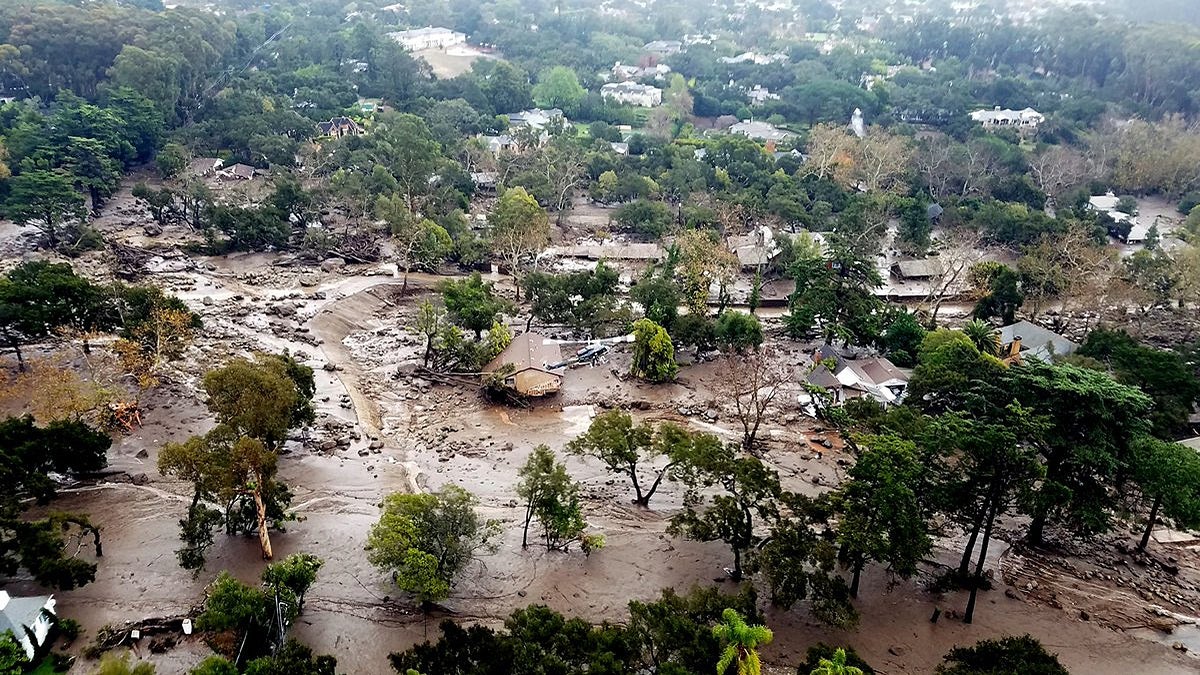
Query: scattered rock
{"points": [[152, 229], [1179, 646], [142, 454], [328, 445], [1084, 616], [309, 280], [332, 264], [207, 301], [897, 650], [139, 479]]}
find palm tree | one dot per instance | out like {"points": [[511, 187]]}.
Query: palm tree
{"points": [[983, 335], [740, 641], [836, 666]]}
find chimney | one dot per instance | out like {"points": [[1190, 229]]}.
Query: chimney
{"points": [[996, 108], [1015, 348]]}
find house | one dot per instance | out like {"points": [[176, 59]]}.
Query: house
{"points": [[917, 270], [430, 37], [485, 180], [760, 131], [28, 618], [632, 93], [755, 58], [237, 172], [663, 47], [846, 379], [497, 144], [760, 95], [535, 118], [202, 167], [621, 72], [338, 127], [755, 249], [531, 360], [1027, 119], [1023, 340], [619, 148]]}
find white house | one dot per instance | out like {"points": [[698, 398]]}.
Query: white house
{"points": [[663, 47], [760, 95], [760, 131], [535, 118], [755, 58], [631, 93], [29, 619], [430, 37], [1028, 119], [621, 72]]}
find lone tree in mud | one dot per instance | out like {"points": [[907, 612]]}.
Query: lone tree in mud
{"points": [[520, 229], [748, 491], [751, 382], [613, 439], [883, 516], [552, 497], [46, 547], [427, 540], [653, 352], [232, 468], [417, 241]]}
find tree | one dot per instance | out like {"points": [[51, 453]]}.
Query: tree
{"points": [[747, 489], [846, 657], [214, 665], [983, 335], [552, 497], [653, 353], [644, 217], [740, 644], [613, 439], [751, 383], [38, 297], [48, 201], [426, 540], [472, 304], [171, 160], [113, 664], [559, 87], [995, 468], [658, 296], [1001, 295], [233, 481], [703, 261], [403, 144], [250, 612], [835, 297], [46, 547], [263, 398], [1164, 375], [1169, 476], [1023, 655], [520, 229], [883, 509], [902, 339], [428, 325], [836, 664], [415, 240], [738, 332], [293, 658], [296, 573], [12, 655], [93, 169]]}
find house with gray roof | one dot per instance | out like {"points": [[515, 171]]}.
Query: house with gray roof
{"points": [[28, 618], [1023, 340]]}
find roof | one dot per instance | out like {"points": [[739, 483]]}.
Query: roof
{"points": [[526, 351], [616, 251], [534, 117], [628, 88], [881, 371], [240, 170], [1028, 115], [1036, 341], [1105, 202], [821, 377], [760, 130], [918, 269], [19, 612], [428, 31], [1138, 231], [1193, 443]]}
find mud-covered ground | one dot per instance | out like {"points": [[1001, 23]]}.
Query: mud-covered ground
{"points": [[382, 429]]}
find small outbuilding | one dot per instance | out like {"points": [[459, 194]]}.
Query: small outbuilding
{"points": [[528, 365]]}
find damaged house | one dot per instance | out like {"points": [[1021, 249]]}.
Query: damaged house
{"points": [[847, 379], [527, 366]]}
